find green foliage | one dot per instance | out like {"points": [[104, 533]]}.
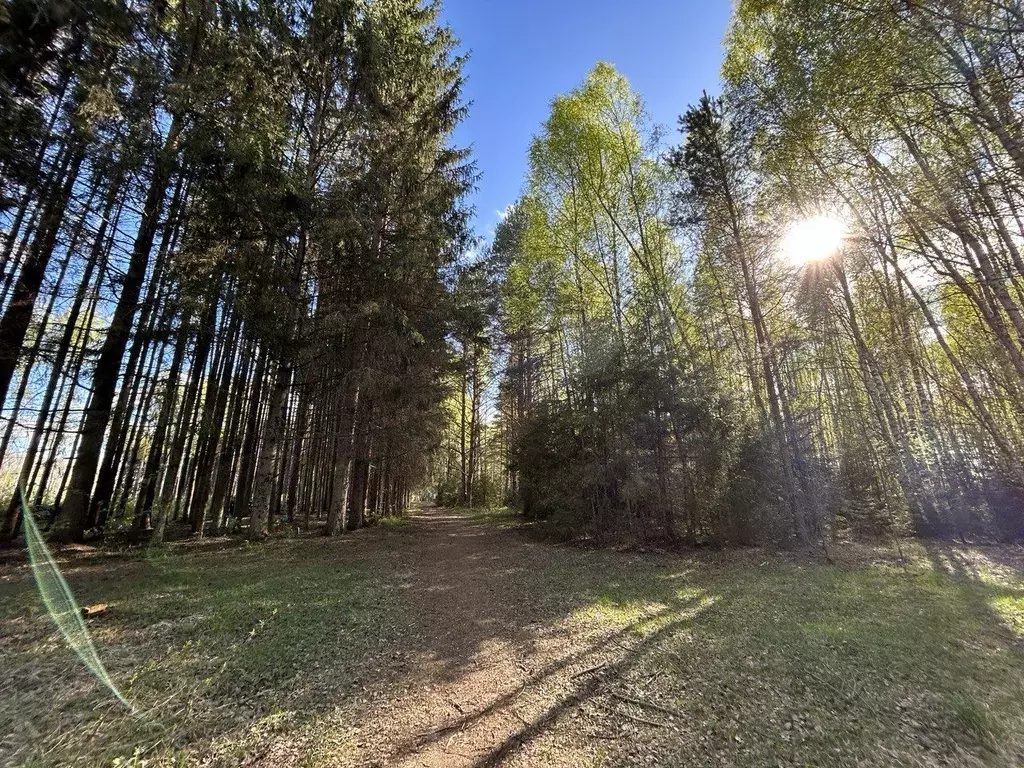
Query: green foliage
{"points": [[274, 188], [615, 420]]}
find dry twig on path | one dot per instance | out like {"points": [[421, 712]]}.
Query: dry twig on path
{"points": [[646, 704]]}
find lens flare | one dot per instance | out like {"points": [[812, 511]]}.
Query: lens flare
{"points": [[60, 603]]}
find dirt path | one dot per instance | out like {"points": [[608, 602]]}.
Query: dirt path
{"points": [[507, 668], [448, 641]]}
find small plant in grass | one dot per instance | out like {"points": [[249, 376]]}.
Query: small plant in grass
{"points": [[974, 718]]}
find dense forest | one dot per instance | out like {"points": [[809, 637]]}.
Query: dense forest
{"points": [[465, 383], [229, 230], [801, 318], [237, 291]]}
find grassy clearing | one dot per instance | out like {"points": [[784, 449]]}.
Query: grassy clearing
{"points": [[769, 662], [280, 651], [811, 665], [219, 650]]}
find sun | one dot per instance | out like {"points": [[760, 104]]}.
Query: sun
{"points": [[812, 239]]}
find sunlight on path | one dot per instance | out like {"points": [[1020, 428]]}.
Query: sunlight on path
{"points": [[515, 664]]}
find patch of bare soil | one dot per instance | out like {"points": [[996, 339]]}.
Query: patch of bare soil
{"points": [[505, 672]]}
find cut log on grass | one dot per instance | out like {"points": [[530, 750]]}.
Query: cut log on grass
{"points": [[92, 611]]}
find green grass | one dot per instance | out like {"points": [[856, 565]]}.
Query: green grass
{"points": [[499, 517], [781, 662], [769, 662], [394, 523], [805, 664], [218, 650]]}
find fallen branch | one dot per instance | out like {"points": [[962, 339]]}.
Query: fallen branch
{"points": [[647, 704], [587, 671], [519, 717], [443, 729]]}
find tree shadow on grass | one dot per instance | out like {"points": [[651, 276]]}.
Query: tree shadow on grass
{"points": [[592, 685], [263, 653], [196, 640], [992, 575], [212, 644]]}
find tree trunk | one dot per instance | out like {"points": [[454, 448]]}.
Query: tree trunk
{"points": [[70, 525]]}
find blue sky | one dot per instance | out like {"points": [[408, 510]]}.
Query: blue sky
{"points": [[525, 52]]}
